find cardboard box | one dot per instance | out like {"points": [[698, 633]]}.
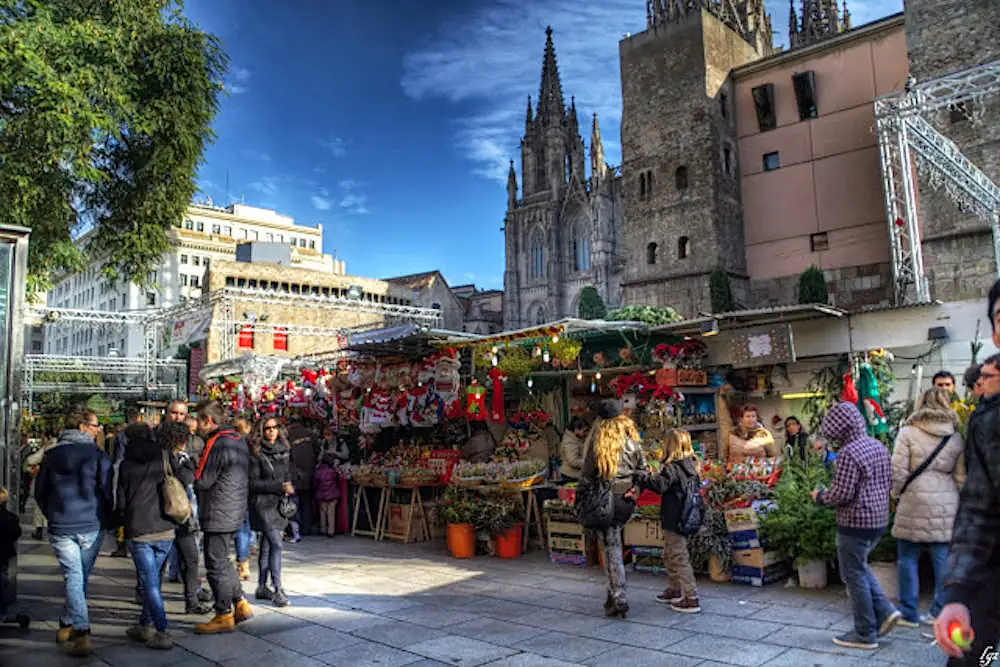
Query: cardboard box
{"points": [[747, 539], [643, 533], [741, 519], [565, 528], [758, 558], [647, 552], [756, 576], [649, 568], [399, 515], [576, 560]]}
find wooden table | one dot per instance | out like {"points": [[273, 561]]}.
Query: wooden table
{"points": [[416, 504]]}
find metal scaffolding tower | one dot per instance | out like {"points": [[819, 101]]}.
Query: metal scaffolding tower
{"points": [[904, 133]]}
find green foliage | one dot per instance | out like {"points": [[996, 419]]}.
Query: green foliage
{"points": [[497, 513], [721, 290], [591, 304], [827, 384], [812, 286], [105, 111], [454, 507], [712, 540], [651, 315], [798, 526]]}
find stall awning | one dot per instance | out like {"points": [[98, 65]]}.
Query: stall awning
{"points": [[400, 342], [737, 319], [572, 327]]}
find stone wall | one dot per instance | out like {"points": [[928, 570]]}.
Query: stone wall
{"points": [[850, 288]]}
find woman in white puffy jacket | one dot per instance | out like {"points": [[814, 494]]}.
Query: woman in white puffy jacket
{"points": [[926, 507]]}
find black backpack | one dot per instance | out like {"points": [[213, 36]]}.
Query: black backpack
{"points": [[692, 513], [595, 504]]}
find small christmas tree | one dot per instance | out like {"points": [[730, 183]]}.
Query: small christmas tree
{"points": [[812, 286], [591, 304], [721, 291]]}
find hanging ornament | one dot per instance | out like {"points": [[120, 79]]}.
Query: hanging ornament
{"points": [[597, 375], [537, 351], [545, 355], [579, 376], [531, 383], [496, 406], [475, 403], [495, 360], [593, 387]]}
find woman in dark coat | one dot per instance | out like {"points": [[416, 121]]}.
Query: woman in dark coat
{"points": [[270, 480]]}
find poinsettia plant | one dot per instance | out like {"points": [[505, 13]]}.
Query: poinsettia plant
{"points": [[687, 354], [525, 418]]}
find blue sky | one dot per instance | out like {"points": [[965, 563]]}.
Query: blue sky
{"points": [[392, 123]]}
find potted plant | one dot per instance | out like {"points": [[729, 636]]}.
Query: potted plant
{"points": [[711, 549], [803, 530], [458, 514], [500, 516]]}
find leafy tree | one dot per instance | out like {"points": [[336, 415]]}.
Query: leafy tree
{"points": [[721, 291], [591, 304], [105, 111], [812, 286]]}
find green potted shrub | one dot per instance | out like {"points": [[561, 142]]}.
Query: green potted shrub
{"points": [[458, 514], [803, 530], [711, 550], [500, 516]]}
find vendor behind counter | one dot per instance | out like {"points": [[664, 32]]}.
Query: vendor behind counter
{"points": [[749, 438]]}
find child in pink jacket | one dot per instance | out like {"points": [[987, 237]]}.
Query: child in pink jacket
{"points": [[326, 482]]}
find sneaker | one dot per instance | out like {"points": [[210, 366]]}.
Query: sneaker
{"points": [[686, 606], [851, 640], [63, 634], [161, 641], [37, 534], [140, 633], [907, 623], [80, 645], [669, 596], [199, 608], [891, 622], [220, 623], [295, 539], [263, 593], [928, 619], [243, 611], [280, 599]]}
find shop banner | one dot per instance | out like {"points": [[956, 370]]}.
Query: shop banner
{"points": [[195, 363], [187, 330], [763, 346]]}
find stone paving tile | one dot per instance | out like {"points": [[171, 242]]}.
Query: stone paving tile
{"points": [[495, 631], [574, 624], [797, 657], [375, 604], [132, 653], [427, 662], [725, 626], [640, 657], [219, 648], [275, 656], [368, 654], [52, 659], [460, 651], [503, 609], [640, 636], [909, 649], [312, 639], [529, 660], [591, 605], [729, 651], [732, 607], [349, 621], [431, 616], [812, 618], [397, 634], [812, 639], [567, 647], [267, 622]]}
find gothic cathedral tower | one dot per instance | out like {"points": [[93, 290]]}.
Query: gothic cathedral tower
{"points": [[679, 153], [562, 233]]}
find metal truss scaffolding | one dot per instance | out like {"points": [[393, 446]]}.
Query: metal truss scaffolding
{"points": [[904, 133]]}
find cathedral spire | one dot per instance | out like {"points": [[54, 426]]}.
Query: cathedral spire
{"points": [[511, 188], [793, 25], [820, 19], [529, 118], [597, 165], [550, 96], [846, 17], [574, 125]]}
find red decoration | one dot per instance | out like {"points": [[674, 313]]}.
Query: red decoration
{"points": [[475, 403], [496, 407], [850, 392]]}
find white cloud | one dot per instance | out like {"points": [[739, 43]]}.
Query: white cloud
{"points": [[238, 73], [507, 40], [321, 203], [334, 146], [235, 89], [267, 186], [238, 78], [353, 200], [257, 155]]}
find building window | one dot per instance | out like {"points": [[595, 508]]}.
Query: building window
{"points": [[281, 339], [281, 238], [227, 231], [184, 280], [195, 281], [200, 226], [804, 84], [150, 298], [184, 259], [818, 242], [216, 229], [581, 247], [727, 160], [302, 243], [539, 315], [651, 253], [255, 236], [291, 241], [772, 161], [683, 247], [188, 224], [151, 277], [196, 260], [681, 178], [269, 237], [763, 102], [724, 105], [244, 234], [537, 246], [436, 306], [245, 338], [312, 245]]}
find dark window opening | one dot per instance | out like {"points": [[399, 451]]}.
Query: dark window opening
{"points": [[651, 253], [763, 102], [958, 113], [724, 105], [683, 247], [727, 160], [804, 84], [772, 161], [681, 178], [642, 186], [818, 242], [230, 281]]}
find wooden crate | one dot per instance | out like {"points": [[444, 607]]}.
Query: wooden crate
{"points": [[573, 544], [565, 528]]}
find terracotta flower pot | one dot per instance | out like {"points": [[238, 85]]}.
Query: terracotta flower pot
{"points": [[461, 540], [509, 544], [715, 571]]}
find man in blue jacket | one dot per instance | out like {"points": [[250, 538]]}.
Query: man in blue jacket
{"points": [[72, 489]]}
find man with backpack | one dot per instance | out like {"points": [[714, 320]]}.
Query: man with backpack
{"points": [[681, 514]]}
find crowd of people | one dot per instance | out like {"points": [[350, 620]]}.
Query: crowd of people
{"points": [[181, 495]]}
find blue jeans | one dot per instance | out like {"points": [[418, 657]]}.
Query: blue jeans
{"points": [[4, 586], [76, 555], [148, 558], [870, 605], [269, 558], [173, 564], [909, 582], [242, 539]]}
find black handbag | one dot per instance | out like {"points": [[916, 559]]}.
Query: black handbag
{"points": [[595, 504], [287, 507]]}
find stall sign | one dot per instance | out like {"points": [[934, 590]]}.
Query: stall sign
{"points": [[195, 364], [186, 330], [763, 346]]}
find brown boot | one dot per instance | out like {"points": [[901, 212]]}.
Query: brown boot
{"points": [[244, 611], [63, 634], [80, 645], [669, 596], [220, 623], [243, 568], [687, 606]]}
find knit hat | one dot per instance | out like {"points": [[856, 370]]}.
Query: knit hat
{"points": [[609, 409]]}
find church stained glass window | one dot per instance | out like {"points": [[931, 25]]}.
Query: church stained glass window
{"points": [[537, 254]]}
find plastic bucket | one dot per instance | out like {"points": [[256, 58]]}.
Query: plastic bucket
{"points": [[812, 574], [509, 544], [461, 540]]}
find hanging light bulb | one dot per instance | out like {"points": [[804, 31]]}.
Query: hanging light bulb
{"points": [[579, 376], [555, 339], [545, 356], [597, 376], [495, 349], [593, 387], [495, 360], [537, 352], [531, 383]]}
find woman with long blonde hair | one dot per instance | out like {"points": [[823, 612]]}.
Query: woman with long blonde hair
{"points": [[614, 457], [680, 469]]}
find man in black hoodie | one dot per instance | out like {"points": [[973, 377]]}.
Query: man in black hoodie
{"points": [[72, 489], [222, 482]]}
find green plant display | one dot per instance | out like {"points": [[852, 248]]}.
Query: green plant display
{"points": [[712, 540], [497, 513], [515, 362], [721, 290], [651, 315], [591, 304], [455, 508], [798, 526], [566, 350], [826, 385], [812, 286]]}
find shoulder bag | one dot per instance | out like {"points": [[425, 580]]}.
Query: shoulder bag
{"points": [[925, 464], [287, 506], [176, 503]]}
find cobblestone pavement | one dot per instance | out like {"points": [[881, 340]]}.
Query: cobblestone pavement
{"points": [[354, 602]]}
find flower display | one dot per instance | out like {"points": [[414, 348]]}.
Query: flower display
{"points": [[688, 354]]}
